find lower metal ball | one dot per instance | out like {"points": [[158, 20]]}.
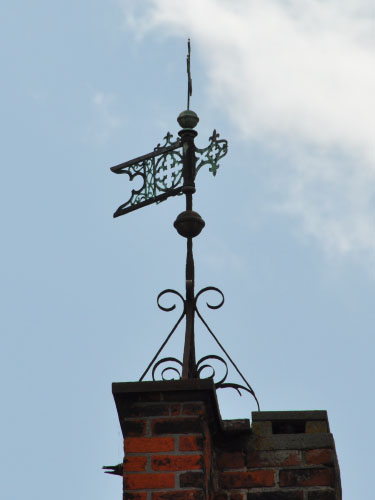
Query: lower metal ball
{"points": [[189, 224]]}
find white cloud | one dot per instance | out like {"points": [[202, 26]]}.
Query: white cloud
{"points": [[297, 76], [105, 121]]}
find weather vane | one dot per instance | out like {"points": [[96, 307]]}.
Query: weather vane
{"points": [[170, 170]]}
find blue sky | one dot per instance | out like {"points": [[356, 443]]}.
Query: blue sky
{"points": [[289, 234]]}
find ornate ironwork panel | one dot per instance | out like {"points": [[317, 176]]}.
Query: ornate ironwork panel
{"points": [[211, 155], [161, 172]]}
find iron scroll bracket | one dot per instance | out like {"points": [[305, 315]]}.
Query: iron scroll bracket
{"points": [[173, 366]]}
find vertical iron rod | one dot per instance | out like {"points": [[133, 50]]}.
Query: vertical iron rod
{"points": [[189, 369]]}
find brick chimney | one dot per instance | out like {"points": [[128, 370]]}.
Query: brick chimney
{"points": [[177, 447]]}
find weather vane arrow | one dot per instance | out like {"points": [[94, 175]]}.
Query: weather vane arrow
{"points": [[170, 170]]}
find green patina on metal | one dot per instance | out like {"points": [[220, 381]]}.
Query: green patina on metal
{"points": [[162, 170], [211, 155], [167, 172]]}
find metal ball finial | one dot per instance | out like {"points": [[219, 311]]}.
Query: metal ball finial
{"points": [[189, 224], [188, 119]]}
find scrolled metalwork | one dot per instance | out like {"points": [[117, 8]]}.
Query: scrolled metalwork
{"points": [[221, 384], [201, 367], [167, 369], [211, 155], [166, 309], [238, 388], [211, 289], [206, 362], [171, 291]]}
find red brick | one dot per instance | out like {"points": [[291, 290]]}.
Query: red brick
{"points": [[175, 409], [322, 495], [192, 480], [177, 426], [273, 458], [236, 496], [191, 443], [247, 479], [276, 495], [193, 409], [134, 428], [176, 462], [135, 464], [207, 452], [235, 460], [146, 445], [135, 496], [147, 410], [147, 481], [319, 457], [306, 477], [178, 495]]}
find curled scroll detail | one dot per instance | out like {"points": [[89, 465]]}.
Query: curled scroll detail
{"points": [[206, 367], [168, 368]]}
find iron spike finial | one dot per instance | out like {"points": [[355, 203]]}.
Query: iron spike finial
{"points": [[190, 83]]}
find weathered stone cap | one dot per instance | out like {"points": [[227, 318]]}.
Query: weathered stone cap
{"points": [[291, 422], [297, 430]]}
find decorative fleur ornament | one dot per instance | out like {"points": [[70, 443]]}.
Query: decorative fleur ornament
{"points": [[212, 153], [170, 170]]}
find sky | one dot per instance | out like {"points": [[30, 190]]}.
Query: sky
{"points": [[289, 236]]}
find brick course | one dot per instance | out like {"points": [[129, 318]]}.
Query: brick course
{"points": [[148, 481], [178, 495], [319, 457], [235, 460], [135, 464], [322, 495], [253, 479], [177, 448], [279, 458], [176, 462], [147, 445], [192, 480], [135, 496], [135, 428], [276, 495], [306, 477], [177, 426], [191, 443]]}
